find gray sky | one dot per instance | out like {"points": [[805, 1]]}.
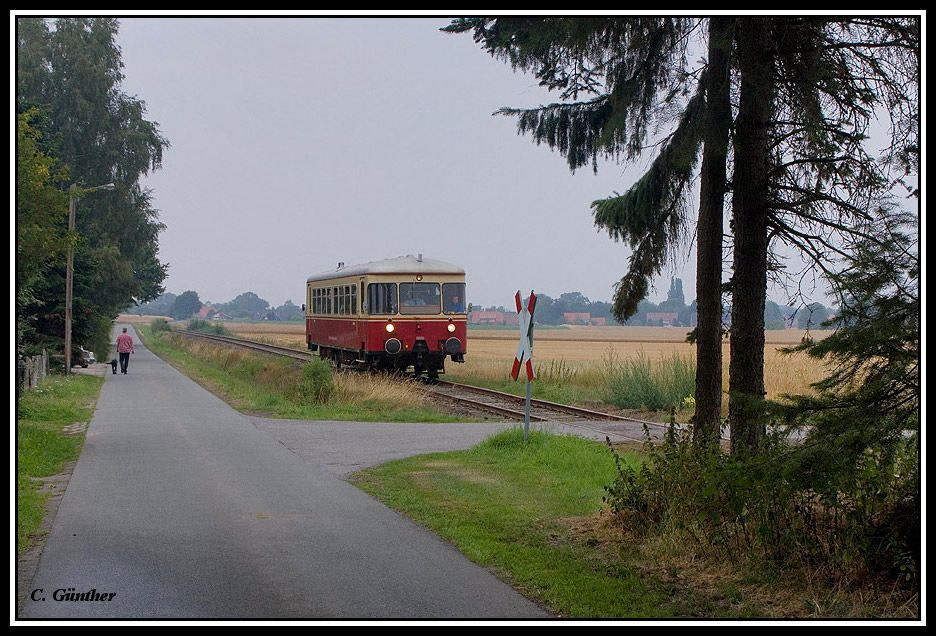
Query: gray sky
{"points": [[299, 142]]}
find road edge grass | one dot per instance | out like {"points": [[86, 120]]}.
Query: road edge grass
{"points": [[531, 512], [44, 448], [279, 399]]}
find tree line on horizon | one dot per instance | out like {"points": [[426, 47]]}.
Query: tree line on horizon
{"points": [[551, 311], [246, 306]]}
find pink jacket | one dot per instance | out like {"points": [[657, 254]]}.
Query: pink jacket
{"points": [[124, 343]]}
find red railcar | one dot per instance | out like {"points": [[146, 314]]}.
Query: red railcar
{"points": [[395, 314]]}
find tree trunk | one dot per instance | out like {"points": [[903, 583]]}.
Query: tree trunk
{"points": [[750, 204], [708, 390]]}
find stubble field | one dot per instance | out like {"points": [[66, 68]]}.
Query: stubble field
{"points": [[579, 354]]}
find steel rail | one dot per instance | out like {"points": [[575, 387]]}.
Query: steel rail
{"points": [[248, 344], [475, 404], [552, 406]]}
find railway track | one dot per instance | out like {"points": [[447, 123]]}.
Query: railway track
{"points": [[615, 427], [248, 344]]}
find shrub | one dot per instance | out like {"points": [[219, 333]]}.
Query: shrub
{"points": [[159, 325], [318, 381], [738, 508], [207, 326]]}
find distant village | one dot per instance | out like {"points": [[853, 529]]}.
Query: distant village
{"points": [[570, 308]]}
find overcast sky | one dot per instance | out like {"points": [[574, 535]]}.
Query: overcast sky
{"points": [[299, 142]]}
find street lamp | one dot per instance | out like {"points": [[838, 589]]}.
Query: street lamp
{"points": [[69, 268]]}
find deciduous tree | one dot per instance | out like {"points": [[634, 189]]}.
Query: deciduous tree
{"points": [[72, 74]]}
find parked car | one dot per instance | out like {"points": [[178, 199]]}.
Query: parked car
{"points": [[84, 358]]}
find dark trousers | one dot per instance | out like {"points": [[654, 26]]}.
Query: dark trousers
{"points": [[124, 361]]}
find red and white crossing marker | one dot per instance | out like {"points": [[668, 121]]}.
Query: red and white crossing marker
{"points": [[525, 348]]}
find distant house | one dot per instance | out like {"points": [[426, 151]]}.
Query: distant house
{"points": [[492, 318], [220, 315], [207, 312], [582, 318], [664, 318]]}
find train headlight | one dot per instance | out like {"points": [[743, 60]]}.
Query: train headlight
{"points": [[451, 327], [390, 327]]}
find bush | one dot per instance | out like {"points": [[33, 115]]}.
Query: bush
{"points": [[318, 381], [159, 325], [737, 508], [207, 326]]}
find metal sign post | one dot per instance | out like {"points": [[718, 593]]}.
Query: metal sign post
{"points": [[525, 353]]}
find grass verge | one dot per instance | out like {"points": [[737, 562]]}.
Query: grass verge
{"points": [[276, 387], [42, 448], [530, 512]]}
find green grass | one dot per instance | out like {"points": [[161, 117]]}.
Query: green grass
{"points": [[287, 389], [555, 381], [640, 384], [41, 448], [518, 508]]}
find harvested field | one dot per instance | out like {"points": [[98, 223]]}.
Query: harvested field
{"points": [[581, 352]]}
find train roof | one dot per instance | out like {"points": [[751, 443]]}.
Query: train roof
{"points": [[401, 265]]}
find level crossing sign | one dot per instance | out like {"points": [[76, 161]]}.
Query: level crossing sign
{"points": [[525, 348]]}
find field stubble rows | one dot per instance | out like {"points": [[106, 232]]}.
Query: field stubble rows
{"points": [[582, 353]]}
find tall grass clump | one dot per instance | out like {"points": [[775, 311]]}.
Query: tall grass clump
{"points": [[318, 381], [207, 326], [638, 383]]}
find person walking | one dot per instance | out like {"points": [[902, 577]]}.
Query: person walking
{"points": [[124, 349]]}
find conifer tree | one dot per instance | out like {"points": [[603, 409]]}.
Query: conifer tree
{"points": [[805, 89]]}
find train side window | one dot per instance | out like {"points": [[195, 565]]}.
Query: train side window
{"points": [[453, 295], [382, 298], [353, 299]]}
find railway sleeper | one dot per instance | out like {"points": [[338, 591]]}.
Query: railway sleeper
{"points": [[422, 362]]}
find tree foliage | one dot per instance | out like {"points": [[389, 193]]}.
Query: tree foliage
{"points": [[871, 398], [40, 219], [69, 75], [185, 305], [631, 72]]}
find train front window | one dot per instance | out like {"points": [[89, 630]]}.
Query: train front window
{"points": [[453, 296], [382, 298], [420, 298]]}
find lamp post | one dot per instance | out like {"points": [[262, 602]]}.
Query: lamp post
{"points": [[69, 268]]}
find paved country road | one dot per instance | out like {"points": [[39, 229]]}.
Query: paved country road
{"points": [[181, 507]]}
